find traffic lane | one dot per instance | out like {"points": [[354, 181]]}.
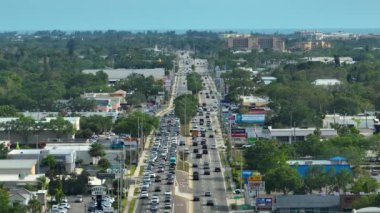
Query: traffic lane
{"points": [[180, 205]]}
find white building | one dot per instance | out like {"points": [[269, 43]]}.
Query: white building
{"points": [[67, 157], [290, 135], [115, 75], [326, 82], [327, 60], [254, 100], [81, 150], [358, 121], [268, 79]]}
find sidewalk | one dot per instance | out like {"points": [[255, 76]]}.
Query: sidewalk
{"points": [[144, 154]]}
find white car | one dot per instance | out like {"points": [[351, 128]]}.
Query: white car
{"points": [[155, 199], [64, 205], [144, 194], [246, 146], [213, 146]]}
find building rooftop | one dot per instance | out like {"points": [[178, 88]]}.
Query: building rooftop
{"points": [[300, 132], [307, 201], [68, 146], [118, 74], [16, 178], [17, 164], [326, 82]]}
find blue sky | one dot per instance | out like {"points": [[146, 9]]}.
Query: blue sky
{"points": [[187, 14]]}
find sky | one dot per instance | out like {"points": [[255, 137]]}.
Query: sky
{"points": [[30, 15]]}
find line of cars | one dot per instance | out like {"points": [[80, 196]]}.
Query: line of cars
{"points": [[202, 123], [159, 173]]}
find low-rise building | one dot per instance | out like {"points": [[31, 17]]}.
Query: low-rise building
{"points": [[327, 60], [16, 167], [337, 164], [81, 150], [362, 121], [11, 180], [66, 157], [309, 45], [254, 101], [326, 82], [290, 135], [115, 75], [306, 203]]}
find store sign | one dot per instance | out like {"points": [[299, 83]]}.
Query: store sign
{"points": [[98, 190], [264, 202], [250, 118]]}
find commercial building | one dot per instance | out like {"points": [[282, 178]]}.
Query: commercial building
{"points": [[327, 60], [81, 150], [326, 82], [272, 43], [65, 157], [18, 167], [46, 135], [337, 164], [291, 135], [254, 101], [306, 203], [115, 75], [249, 42], [309, 45], [107, 102], [362, 121], [10, 180]]}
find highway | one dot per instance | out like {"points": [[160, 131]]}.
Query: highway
{"points": [[214, 182]]}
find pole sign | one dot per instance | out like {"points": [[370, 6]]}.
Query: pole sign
{"points": [[238, 133], [246, 173], [98, 190], [106, 175], [264, 202], [250, 118]]}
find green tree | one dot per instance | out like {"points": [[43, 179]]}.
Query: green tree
{"points": [[24, 126], [61, 127], [49, 161], [315, 179], [104, 164], [343, 179], [4, 200], [34, 205], [365, 184], [265, 155], [3, 151], [283, 178], [130, 124], [97, 150], [185, 106], [8, 111], [42, 183], [58, 192], [17, 207], [194, 82]]}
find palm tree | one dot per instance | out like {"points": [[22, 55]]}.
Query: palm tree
{"points": [[42, 182], [34, 205]]}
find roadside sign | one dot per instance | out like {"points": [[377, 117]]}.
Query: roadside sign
{"points": [[98, 190], [106, 175], [251, 140], [263, 202], [256, 185], [246, 173], [255, 178]]}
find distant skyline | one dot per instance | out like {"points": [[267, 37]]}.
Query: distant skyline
{"points": [[249, 15]]}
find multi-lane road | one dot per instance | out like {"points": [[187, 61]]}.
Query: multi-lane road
{"points": [[212, 183]]}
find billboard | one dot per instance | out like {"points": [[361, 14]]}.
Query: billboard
{"points": [[250, 118], [264, 202], [237, 130]]}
